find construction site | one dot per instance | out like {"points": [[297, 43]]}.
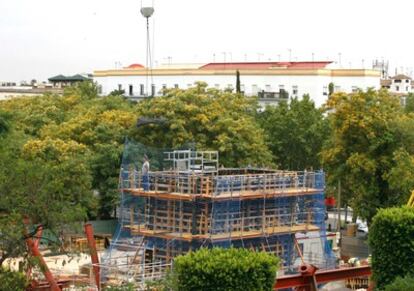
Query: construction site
{"points": [[177, 201], [187, 201]]}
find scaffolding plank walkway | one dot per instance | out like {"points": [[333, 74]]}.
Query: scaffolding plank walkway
{"points": [[224, 195], [229, 235]]}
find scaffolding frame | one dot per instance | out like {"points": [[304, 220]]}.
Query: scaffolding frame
{"points": [[188, 207], [195, 161]]}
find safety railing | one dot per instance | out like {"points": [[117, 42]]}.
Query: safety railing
{"points": [[221, 185]]}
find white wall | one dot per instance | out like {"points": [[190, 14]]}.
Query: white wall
{"points": [[404, 86], [312, 85]]}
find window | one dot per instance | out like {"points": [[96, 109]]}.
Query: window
{"points": [[397, 88], [337, 88], [406, 88], [99, 89], [141, 89], [131, 90], [268, 88], [354, 89], [164, 87], [407, 81], [255, 89], [176, 86], [229, 88], [397, 81], [325, 90], [295, 90], [153, 90], [242, 88], [119, 87], [189, 85], [281, 87], [217, 86]]}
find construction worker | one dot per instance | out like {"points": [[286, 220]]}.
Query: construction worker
{"points": [[145, 175]]}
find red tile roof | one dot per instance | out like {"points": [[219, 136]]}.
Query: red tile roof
{"points": [[264, 65], [135, 66]]}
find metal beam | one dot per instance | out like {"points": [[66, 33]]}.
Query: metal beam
{"points": [[94, 254], [43, 266], [322, 276]]}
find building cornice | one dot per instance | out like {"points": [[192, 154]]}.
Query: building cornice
{"points": [[268, 72]]}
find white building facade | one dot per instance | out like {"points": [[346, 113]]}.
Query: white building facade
{"points": [[270, 81]]}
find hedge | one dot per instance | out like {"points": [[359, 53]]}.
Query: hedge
{"points": [[391, 238], [401, 284], [12, 281], [225, 269]]}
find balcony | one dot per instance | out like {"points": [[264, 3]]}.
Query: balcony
{"points": [[272, 96]]}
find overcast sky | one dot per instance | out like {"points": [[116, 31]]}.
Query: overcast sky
{"points": [[40, 39]]}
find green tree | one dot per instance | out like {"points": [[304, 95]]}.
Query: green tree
{"points": [[391, 237], [331, 88], [409, 103], [85, 90], [94, 127], [399, 284], [369, 150], [41, 192], [55, 152], [4, 123], [238, 90], [117, 93], [295, 133], [211, 119], [12, 281]]}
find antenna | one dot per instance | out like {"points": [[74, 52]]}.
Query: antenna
{"points": [[147, 12]]}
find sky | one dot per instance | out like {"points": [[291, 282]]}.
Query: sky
{"points": [[40, 39]]}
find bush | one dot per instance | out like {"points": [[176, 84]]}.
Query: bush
{"points": [[391, 238], [406, 284], [225, 269], [12, 281]]}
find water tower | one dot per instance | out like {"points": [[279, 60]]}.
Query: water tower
{"points": [[147, 10]]}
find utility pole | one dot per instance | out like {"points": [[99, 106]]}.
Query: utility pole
{"points": [[338, 226]]}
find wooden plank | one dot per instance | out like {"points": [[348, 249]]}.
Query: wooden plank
{"points": [[234, 235]]}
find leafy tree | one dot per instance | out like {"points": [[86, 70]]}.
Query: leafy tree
{"points": [[117, 93], [283, 94], [399, 284], [41, 192], [12, 281], [331, 88], [212, 119], [4, 123], [295, 133], [409, 103], [79, 123], [370, 150], [238, 90], [84, 90], [390, 238], [55, 152]]}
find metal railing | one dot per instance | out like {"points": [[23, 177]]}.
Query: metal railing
{"points": [[216, 185]]}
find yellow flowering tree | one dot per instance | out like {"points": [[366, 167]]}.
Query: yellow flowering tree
{"points": [[208, 118], [369, 150]]}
